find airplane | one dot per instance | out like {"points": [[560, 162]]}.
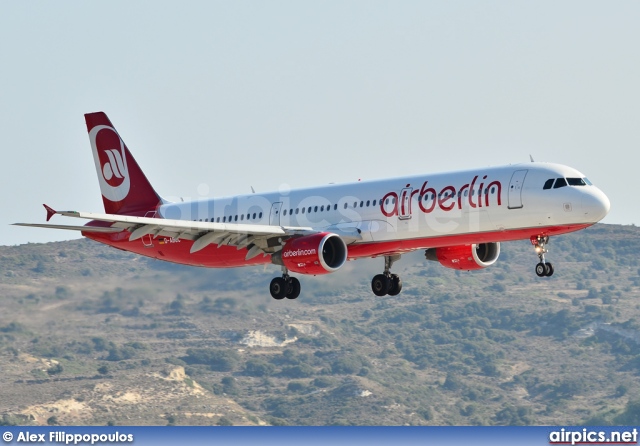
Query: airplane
{"points": [[458, 218]]}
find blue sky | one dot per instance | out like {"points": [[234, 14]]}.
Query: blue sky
{"points": [[222, 96]]}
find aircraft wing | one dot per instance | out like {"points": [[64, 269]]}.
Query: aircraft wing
{"points": [[71, 228], [259, 238]]}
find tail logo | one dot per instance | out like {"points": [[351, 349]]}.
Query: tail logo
{"points": [[115, 167], [109, 154]]}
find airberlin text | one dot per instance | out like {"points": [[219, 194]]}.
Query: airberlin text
{"points": [[299, 252], [446, 199]]}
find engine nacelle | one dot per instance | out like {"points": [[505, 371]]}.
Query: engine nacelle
{"points": [[465, 257], [315, 254]]}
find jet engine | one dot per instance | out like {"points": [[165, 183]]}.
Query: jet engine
{"points": [[315, 254], [465, 257]]}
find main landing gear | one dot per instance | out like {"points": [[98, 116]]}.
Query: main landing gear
{"points": [[544, 268], [387, 283], [285, 286]]}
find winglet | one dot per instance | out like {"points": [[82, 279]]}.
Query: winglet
{"points": [[50, 211]]}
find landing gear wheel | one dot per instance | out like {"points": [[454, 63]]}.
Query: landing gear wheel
{"points": [[396, 285], [544, 268], [293, 288], [278, 288], [380, 285]]}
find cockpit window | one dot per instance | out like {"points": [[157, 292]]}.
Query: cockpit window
{"points": [[586, 180], [560, 182], [548, 184], [576, 182]]}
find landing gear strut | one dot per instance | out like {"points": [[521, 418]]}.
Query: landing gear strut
{"points": [[543, 268], [387, 283], [285, 286]]}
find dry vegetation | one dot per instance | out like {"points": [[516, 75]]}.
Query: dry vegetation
{"points": [[92, 335]]}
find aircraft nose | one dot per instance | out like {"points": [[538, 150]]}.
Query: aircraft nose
{"points": [[595, 204]]}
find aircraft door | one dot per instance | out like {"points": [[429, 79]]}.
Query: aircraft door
{"points": [[515, 189], [274, 217], [404, 204]]}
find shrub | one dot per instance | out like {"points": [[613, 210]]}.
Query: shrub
{"points": [[55, 369], [224, 421], [259, 368], [217, 359], [296, 386]]}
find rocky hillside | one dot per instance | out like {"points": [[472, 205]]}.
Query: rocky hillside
{"points": [[92, 335]]}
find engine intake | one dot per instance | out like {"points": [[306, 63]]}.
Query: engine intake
{"points": [[315, 254], [465, 257]]}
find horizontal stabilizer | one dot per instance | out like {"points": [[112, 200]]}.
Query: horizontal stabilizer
{"points": [[72, 228]]}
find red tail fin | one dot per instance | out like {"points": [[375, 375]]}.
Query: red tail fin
{"points": [[125, 189]]}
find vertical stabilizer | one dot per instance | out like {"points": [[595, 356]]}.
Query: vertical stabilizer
{"points": [[125, 189]]}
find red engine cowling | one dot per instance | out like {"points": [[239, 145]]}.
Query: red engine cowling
{"points": [[314, 254], [465, 257]]}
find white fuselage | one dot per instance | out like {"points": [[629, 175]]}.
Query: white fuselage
{"points": [[418, 207]]}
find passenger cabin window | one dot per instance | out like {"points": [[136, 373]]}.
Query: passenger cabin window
{"points": [[576, 182], [560, 182], [548, 184]]}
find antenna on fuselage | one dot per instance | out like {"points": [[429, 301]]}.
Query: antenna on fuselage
{"points": [[531, 158], [252, 190]]}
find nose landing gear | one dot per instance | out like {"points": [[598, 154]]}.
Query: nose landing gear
{"points": [[387, 283], [285, 286], [544, 268]]}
